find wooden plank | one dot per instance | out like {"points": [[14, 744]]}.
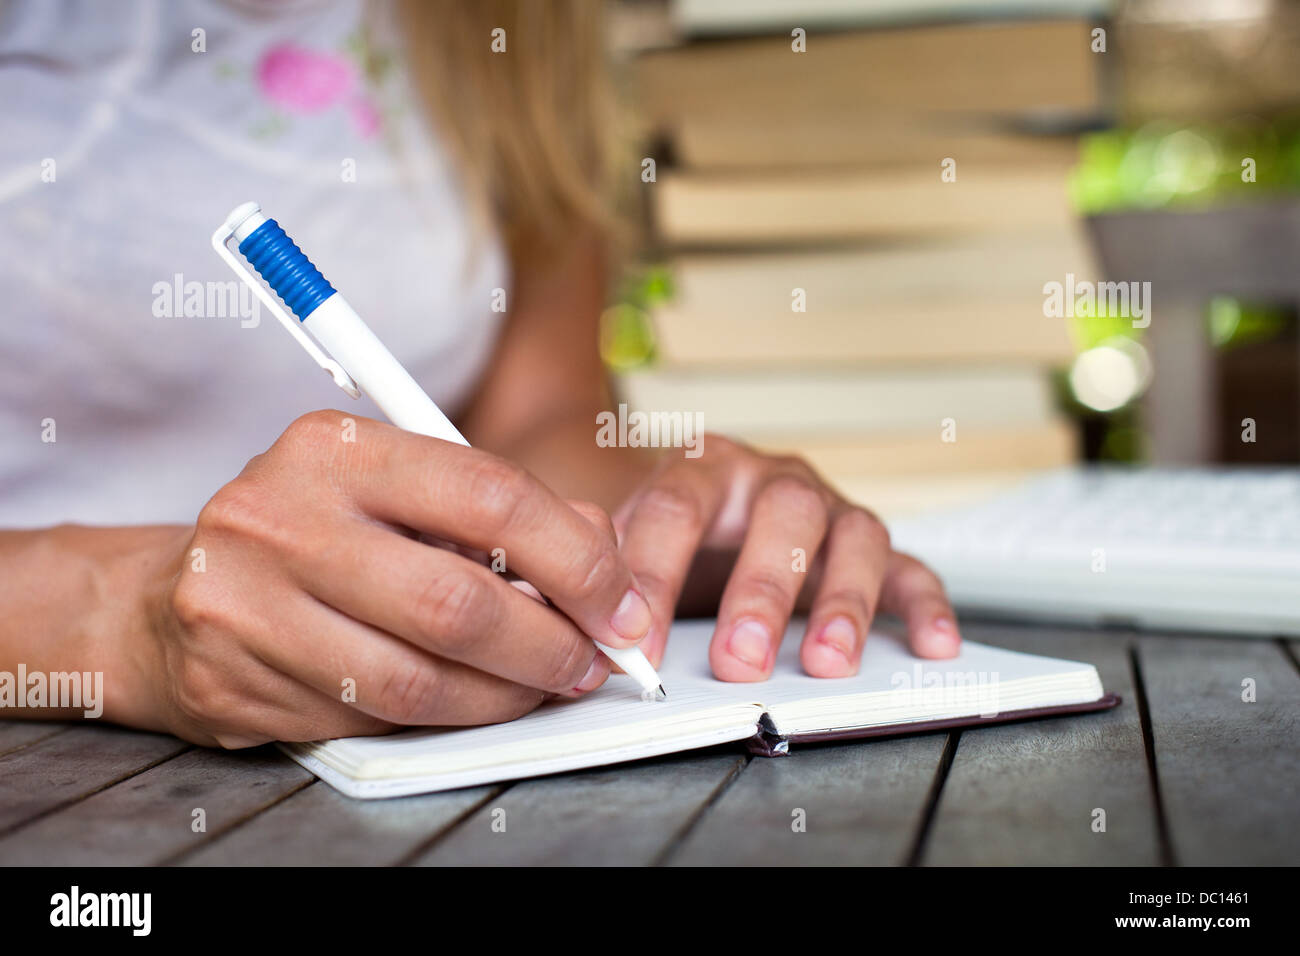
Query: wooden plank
{"points": [[1229, 771], [149, 818], [16, 734], [1026, 793], [76, 763], [318, 826], [863, 804], [624, 815]]}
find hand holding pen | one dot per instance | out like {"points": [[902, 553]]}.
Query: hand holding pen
{"points": [[305, 607], [367, 364], [317, 614]]}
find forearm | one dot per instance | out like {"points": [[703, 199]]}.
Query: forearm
{"points": [[564, 454], [80, 599], [538, 401]]}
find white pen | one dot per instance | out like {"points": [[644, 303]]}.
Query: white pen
{"points": [[359, 362]]}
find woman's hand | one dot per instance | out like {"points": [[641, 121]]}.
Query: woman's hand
{"points": [[305, 606], [757, 537]]}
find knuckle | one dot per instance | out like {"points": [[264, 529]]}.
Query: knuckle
{"points": [[590, 510], [664, 504], [224, 511], [243, 508], [447, 608], [568, 667], [795, 495], [859, 521], [311, 429], [915, 576], [204, 609], [198, 693], [502, 493], [769, 590], [191, 604], [725, 446], [515, 704], [595, 573], [408, 693], [654, 584], [797, 467], [851, 601]]}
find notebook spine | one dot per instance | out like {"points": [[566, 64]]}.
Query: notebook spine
{"points": [[766, 742]]}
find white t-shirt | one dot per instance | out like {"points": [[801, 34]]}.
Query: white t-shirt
{"points": [[129, 130]]}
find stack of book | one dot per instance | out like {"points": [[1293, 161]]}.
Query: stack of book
{"points": [[860, 235]]}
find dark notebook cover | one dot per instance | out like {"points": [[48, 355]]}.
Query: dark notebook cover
{"points": [[768, 743]]}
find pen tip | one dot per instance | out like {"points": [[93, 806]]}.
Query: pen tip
{"points": [[660, 693]]}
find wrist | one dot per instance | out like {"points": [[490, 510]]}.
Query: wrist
{"points": [[131, 636], [106, 613]]}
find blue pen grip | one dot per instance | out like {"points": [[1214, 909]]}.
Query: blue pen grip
{"points": [[282, 264]]}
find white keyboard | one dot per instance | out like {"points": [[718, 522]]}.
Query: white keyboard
{"points": [[1172, 549]]}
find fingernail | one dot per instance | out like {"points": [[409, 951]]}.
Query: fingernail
{"points": [[840, 635], [751, 643], [632, 618], [940, 638], [830, 653], [595, 676]]}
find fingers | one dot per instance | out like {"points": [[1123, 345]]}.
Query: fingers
{"points": [[388, 678], [216, 704], [450, 607], [594, 513], [914, 593], [856, 556], [662, 530], [485, 502], [788, 513]]}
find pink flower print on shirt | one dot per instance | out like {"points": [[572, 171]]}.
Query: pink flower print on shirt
{"points": [[304, 81], [298, 80]]}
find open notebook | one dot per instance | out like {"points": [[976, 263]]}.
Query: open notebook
{"points": [[892, 693]]}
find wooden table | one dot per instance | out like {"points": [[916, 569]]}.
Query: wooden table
{"points": [[1185, 770]]}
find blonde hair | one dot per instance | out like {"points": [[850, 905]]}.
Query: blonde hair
{"points": [[527, 126]]}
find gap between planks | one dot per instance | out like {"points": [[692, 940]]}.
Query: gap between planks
{"points": [[1149, 745], [427, 846], [677, 839], [941, 772], [179, 856], [59, 807]]}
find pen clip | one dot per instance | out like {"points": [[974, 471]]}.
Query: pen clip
{"points": [[336, 371]]}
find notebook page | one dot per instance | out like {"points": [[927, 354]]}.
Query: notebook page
{"points": [[891, 686], [613, 718]]}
